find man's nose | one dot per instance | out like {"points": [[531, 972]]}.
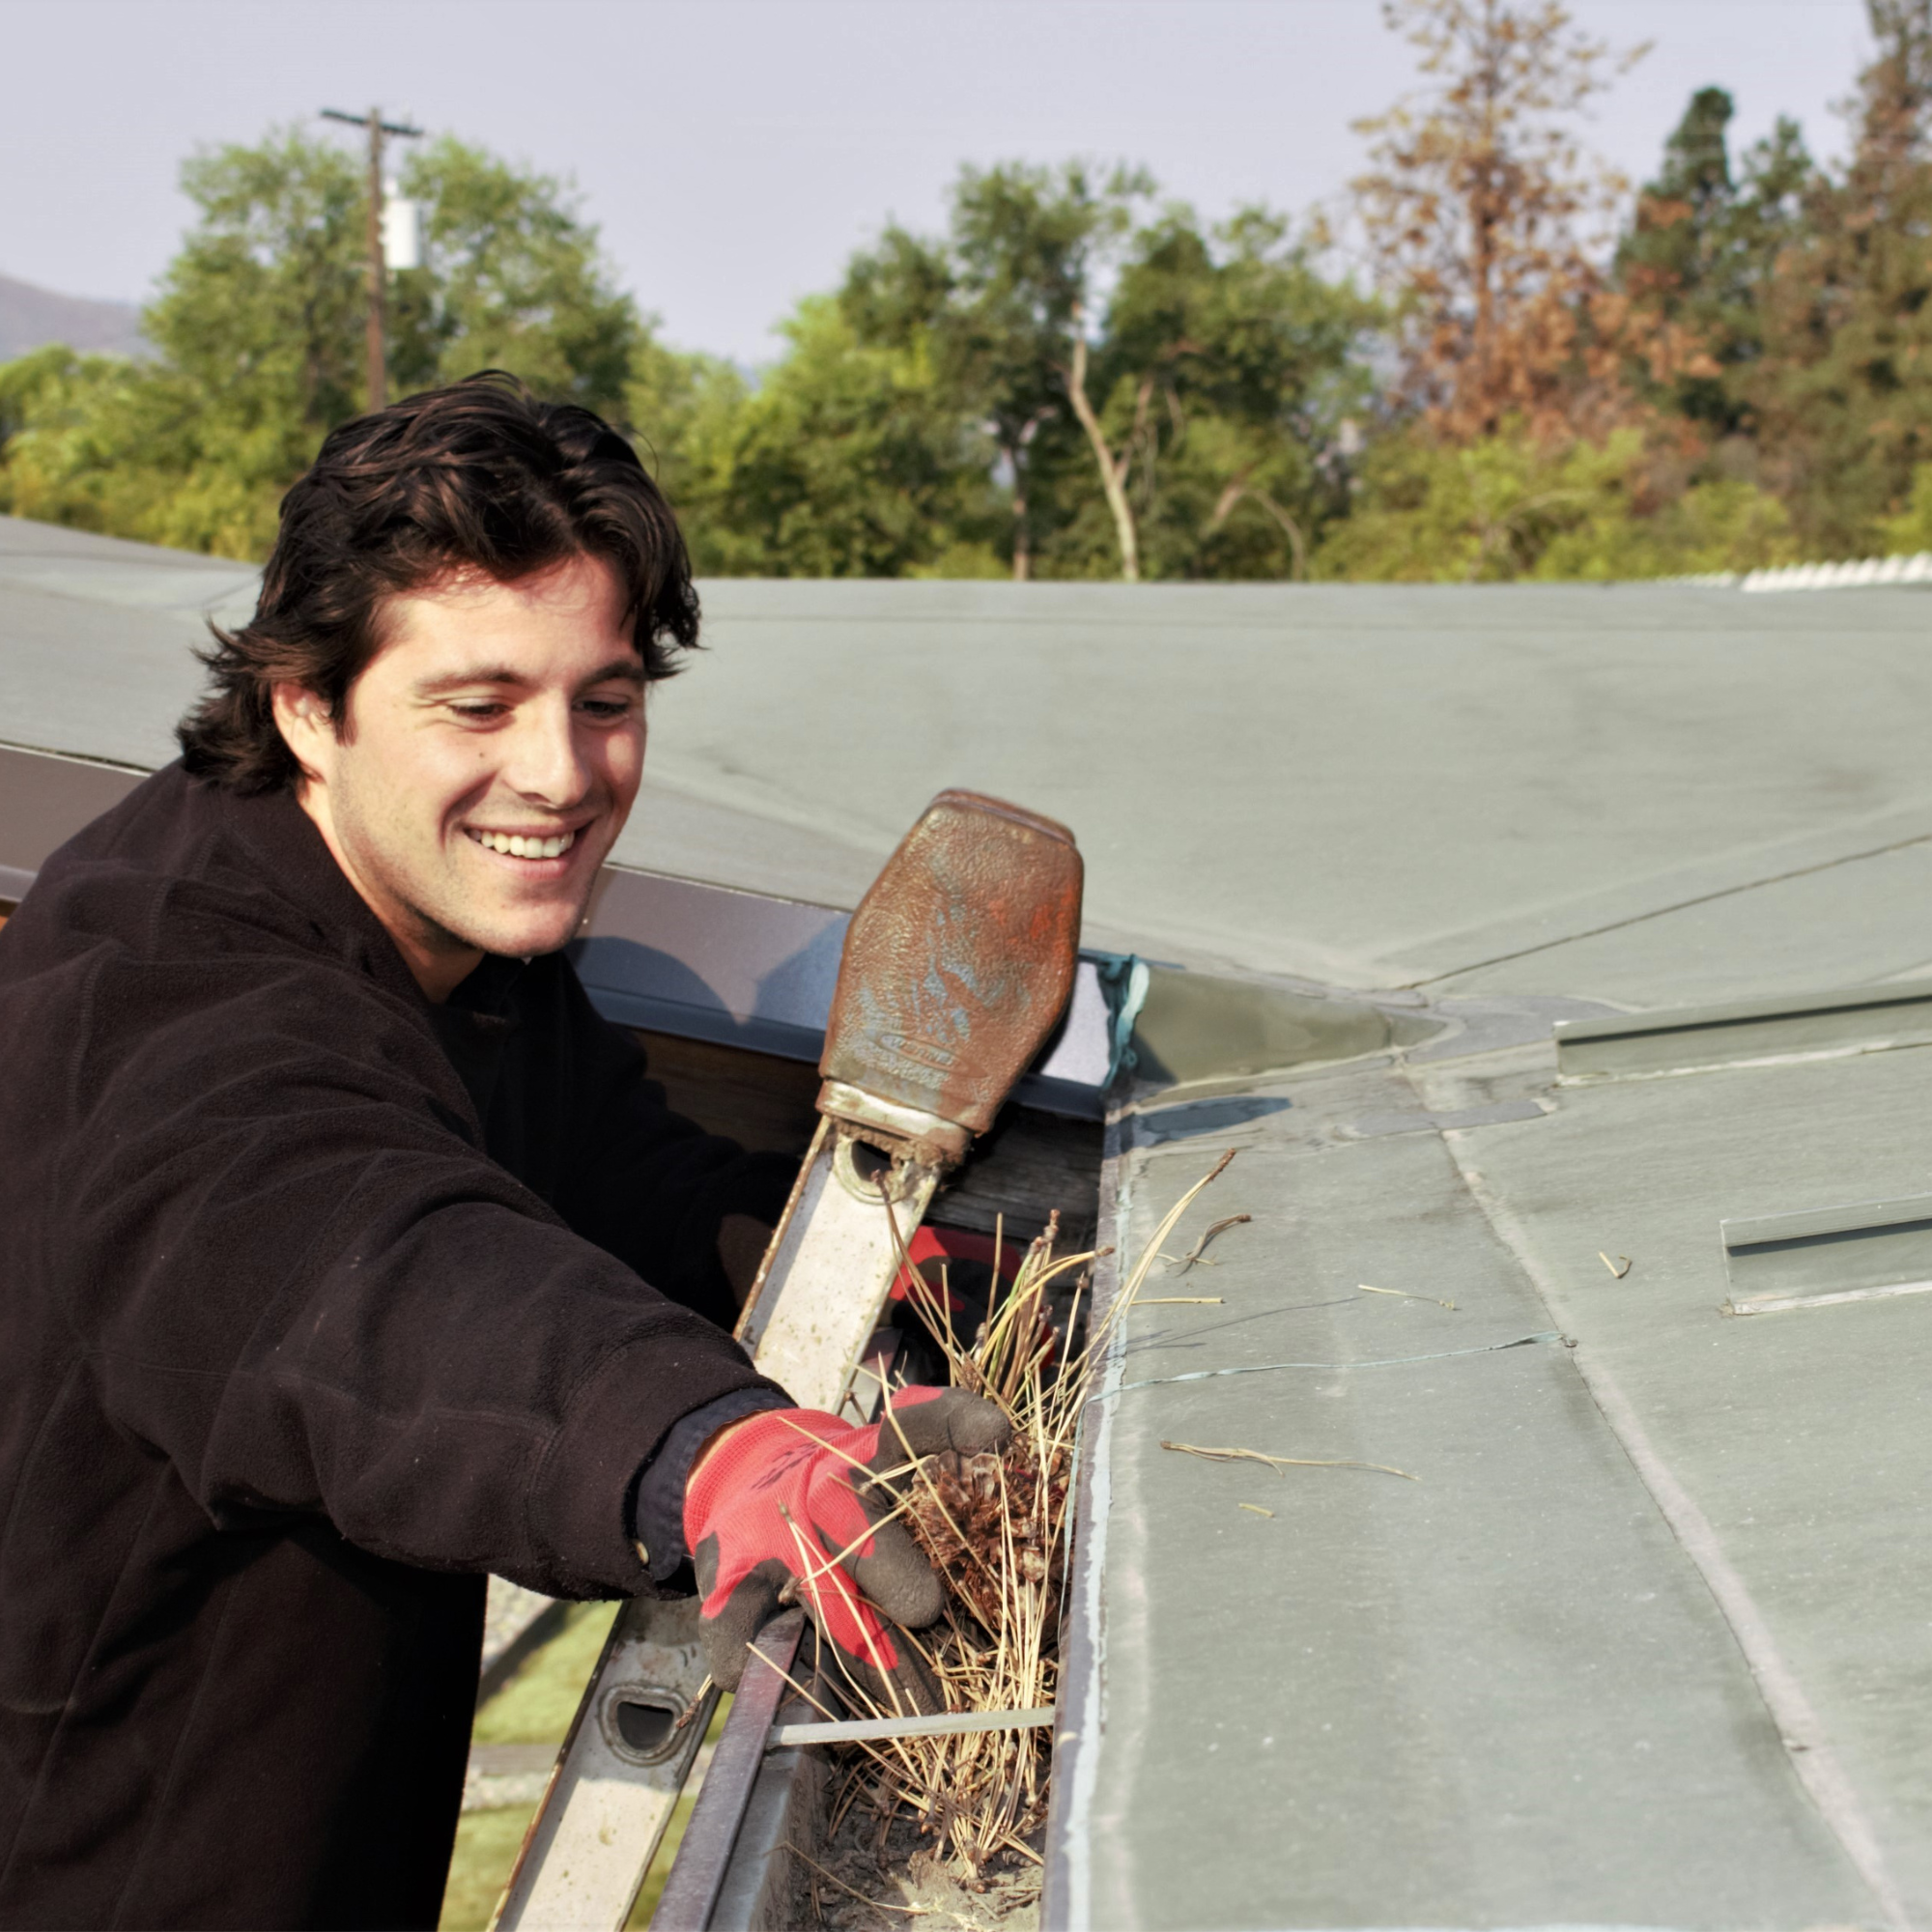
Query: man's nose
{"points": [[547, 765]]}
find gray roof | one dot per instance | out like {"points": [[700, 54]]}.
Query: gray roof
{"points": [[1645, 1642]]}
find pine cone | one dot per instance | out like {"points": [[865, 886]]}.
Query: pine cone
{"points": [[971, 1526]]}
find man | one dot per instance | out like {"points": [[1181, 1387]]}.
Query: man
{"points": [[348, 1256]]}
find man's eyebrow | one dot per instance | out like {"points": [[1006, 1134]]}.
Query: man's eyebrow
{"points": [[455, 680], [630, 670]]}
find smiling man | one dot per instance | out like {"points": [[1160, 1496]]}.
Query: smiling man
{"points": [[348, 1255], [495, 745]]}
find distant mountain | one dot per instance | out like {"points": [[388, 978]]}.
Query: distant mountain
{"points": [[30, 317]]}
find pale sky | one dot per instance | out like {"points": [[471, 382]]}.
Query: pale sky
{"points": [[736, 151]]}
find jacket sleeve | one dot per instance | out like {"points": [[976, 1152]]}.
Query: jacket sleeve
{"points": [[296, 1276], [649, 1186]]}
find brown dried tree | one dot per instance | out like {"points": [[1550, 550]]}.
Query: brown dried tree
{"points": [[1485, 221]]}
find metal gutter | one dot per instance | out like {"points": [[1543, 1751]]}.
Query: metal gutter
{"points": [[44, 799], [698, 1876]]}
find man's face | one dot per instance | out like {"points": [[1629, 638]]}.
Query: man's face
{"points": [[490, 755]]}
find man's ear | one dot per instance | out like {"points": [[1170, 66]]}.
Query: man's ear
{"points": [[306, 728]]}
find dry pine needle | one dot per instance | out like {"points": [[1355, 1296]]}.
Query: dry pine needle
{"points": [[1403, 1295], [1196, 1254], [1282, 1463], [996, 1528]]}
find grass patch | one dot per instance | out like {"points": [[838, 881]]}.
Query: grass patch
{"points": [[486, 1848], [536, 1705]]}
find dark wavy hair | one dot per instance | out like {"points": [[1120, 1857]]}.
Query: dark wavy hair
{"points": [[480, 476]]}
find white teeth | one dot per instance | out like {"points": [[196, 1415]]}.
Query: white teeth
{"points": [[515, 845]]}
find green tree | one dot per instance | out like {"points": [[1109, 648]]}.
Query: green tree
{"points": [[1908, 530], [511, 279], [1513, 505], [1002, 307], [54, 465], [847, 460], [1224, 370], [684, 413], [1201, 393], [258, 326]]}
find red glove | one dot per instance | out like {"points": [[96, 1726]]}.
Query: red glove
{"points": [[795, 1490]]}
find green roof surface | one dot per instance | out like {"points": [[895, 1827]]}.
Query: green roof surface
{"points": [[1627, 793]]}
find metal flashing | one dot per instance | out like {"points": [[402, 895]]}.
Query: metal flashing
{"points": [[44, 799], [1862, 1250], [1200, 1036], [947, 1724], [1742, 1033], [1783, 1304], [710, 1846], [739, 969]]}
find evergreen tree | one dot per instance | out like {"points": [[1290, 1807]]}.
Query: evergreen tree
{"points": [[1705, 242], [1842, 391]]}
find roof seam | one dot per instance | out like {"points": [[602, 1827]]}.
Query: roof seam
{"points": [[1678, 905], [1809, 1749]]}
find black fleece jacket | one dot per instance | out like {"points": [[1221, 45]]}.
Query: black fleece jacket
{"points": [[315, 1304]]}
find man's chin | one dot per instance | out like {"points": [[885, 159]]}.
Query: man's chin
{"points": [[524, 936], [528, 942]]}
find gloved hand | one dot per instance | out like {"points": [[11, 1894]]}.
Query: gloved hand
{"points": [[795, 1497]]}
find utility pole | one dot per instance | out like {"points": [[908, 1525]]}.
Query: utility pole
{"points": [[379, 279]]}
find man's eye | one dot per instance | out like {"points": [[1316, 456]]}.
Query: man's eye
{"points": [[608, 708], [481, 710]]}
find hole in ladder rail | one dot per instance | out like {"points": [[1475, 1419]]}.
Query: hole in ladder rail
{"points": [[870, 1164], [640, 1725], [865, 1170]]}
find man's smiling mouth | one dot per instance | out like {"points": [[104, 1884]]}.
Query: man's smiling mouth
{"points": [[515, 845]]}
